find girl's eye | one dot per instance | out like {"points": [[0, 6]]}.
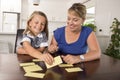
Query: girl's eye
{"points": [[42, 24], [68, 19]]}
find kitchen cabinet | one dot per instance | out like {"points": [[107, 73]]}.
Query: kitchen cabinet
{"points": [[10, 22], [11, 5]]}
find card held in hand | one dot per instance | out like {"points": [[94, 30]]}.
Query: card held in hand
{"points": [[57, 61]]}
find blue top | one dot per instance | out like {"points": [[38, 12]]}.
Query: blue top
{"points": [[78, 47]]}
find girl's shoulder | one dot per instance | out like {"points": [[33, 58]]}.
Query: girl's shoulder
{"points": [[27, 35]]}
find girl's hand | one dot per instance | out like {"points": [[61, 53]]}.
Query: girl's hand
{"points": [[47, 58], [71, 59]]}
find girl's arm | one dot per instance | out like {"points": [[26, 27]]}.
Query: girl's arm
{"points": [[37, 54], [30, 50], [21, 50]]}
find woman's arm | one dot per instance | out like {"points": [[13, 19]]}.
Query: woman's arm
{"points": [[53, 45], [93, 53], [41, 49], [94, 50]]}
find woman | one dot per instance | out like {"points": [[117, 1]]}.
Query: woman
{"points": [[74, 42]]}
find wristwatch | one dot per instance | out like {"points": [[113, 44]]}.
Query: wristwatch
{"points": [[82, 57]]}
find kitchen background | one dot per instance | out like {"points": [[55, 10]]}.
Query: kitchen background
{"points": [[14, 14]]}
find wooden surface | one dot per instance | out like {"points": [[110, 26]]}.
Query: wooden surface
{"points": [[106, 68]]}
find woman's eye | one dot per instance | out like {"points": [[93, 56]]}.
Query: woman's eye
{"points": [[75, 20]]}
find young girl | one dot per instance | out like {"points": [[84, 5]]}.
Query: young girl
{"points": [[35, 37]]}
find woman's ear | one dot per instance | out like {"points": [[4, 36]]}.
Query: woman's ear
{"points": [[83, 20]]}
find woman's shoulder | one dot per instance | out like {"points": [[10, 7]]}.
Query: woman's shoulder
{"points": [[86, 28]]}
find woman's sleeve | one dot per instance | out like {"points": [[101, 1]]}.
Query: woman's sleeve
{"points": [[57, 33]]}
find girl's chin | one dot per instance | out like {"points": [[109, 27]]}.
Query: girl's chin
{"points": [[36, 32]]}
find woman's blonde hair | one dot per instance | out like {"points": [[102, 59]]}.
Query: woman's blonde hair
{"points": [[78, 9], [31, 17]]}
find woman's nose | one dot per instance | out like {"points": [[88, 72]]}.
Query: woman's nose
{"points": [[70, 22]]}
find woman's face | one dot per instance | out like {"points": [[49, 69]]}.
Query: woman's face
{"points": [[37, 24], [74, 22]]}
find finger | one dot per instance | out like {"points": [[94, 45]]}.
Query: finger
{"points": [[49, 59], [66, 58]]}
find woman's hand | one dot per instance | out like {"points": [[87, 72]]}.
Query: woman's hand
{"points": [[71, 59], [52, 48], [47, 58]]}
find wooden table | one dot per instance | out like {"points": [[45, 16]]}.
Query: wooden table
{"points": [[107, 68]]}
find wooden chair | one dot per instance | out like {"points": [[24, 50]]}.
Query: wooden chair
{"points": [[19, 36]]}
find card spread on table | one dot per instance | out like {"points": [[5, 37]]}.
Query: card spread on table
{"points": [[36, 75], [74, 69], [57, 61], [27, 64], [36, 60], [32, 68], [65, 65]]}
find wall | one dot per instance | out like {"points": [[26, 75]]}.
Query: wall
{"points": [[51, 8], [106, 11]]}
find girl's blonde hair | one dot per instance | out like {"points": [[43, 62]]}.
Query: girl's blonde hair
{"points": [[78, 9], [30, 18]]}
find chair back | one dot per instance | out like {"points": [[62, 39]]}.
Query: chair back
{"points": [[19, 37]]}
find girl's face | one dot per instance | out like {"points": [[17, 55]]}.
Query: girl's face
{"points": [[74, 22], [37, 24]]}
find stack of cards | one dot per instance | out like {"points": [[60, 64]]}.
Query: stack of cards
{"points": [[30, 69]]}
